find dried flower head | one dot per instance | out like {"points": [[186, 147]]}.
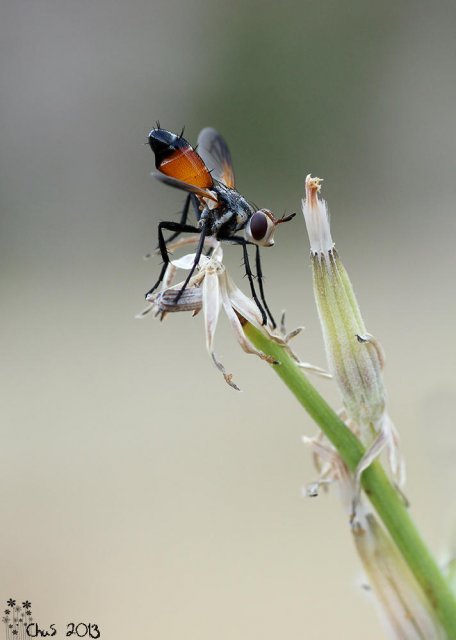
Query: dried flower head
{"points": [[211, 288]]}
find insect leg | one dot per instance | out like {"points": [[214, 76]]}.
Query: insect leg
{"points": [[199, 251], [248, 272], [191, 198], [260, 284], [177, 228]]}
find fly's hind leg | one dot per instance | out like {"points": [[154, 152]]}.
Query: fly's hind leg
{"points": [[191, 199], [199, 251], [177, 228]]}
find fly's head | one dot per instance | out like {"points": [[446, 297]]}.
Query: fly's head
{"points": [[261, 227]]}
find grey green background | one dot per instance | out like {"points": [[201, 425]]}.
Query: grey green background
{"points": [[137, 490]]}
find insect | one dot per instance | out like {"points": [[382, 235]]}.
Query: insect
{"points": [[208, 178]]}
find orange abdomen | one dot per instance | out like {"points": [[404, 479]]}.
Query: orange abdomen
{"points": [[176, 158]]}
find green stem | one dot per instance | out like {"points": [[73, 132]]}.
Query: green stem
{"points": [[376, 485]]}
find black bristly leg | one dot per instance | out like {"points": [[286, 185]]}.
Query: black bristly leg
{"points": [[177, 228], [248, 272], [199, 251], [183, 220], [191, 198], [260, 284], [249, 275]]}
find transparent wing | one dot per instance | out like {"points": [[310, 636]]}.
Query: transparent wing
{"points": [[216, 156]]}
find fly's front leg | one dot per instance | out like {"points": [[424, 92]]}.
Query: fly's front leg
{"points": [[248, 272], [260, 284]]}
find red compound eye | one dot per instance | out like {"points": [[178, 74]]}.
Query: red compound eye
{"points": [[258, 226]]}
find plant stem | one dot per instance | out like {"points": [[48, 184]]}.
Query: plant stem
{"points": [[382, 494]]}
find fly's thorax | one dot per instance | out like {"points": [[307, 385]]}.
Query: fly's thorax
{"points": [[237, 205], [232, 214], [244, 211]]}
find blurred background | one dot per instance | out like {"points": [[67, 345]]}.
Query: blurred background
{"points": [[138, 491]]}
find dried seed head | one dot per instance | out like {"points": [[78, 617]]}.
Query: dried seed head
{"points": [[354, 357], [399, 598], [402, 605]]}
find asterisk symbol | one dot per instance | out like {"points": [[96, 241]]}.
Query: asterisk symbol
{"points": [[28, 612], [11, 602], [26, 604], [15, 632], [7, 611]]}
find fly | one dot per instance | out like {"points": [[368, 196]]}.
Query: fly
{"points": [[220, 210]]}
